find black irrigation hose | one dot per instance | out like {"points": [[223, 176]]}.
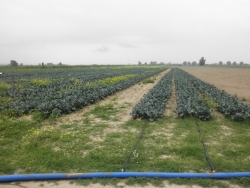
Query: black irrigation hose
{"points": [[205, 149], [132, 152]]}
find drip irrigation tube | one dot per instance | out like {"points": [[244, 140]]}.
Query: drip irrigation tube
{"points": [[60, 176], [133, 150], [205, 149]]}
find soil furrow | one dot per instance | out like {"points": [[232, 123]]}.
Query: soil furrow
{"points": [[131, 96], [171, 103]]}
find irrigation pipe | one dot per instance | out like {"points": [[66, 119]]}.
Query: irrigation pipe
{"points": [[205, 149], [133, 150], [61, 176]]}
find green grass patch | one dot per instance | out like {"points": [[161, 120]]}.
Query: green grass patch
{"points": [[4, 86], [209, 102], [38, 82], [149, 80], [168, 145], [109, 81]]}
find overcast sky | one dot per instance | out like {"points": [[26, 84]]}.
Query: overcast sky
{"points": [[124, 31]]}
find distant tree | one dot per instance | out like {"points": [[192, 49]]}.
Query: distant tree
{"points": [[139, 63], [42, 64], [185, 63], [234, 63], [13, 63], [202, 61], [220, 63], [161, 63], [194, 63], [153, 62], [21, 64], [228, 62], [145, 63], [189, 64], [241, 63], [60, 64]]}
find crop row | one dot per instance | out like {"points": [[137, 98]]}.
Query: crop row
{"points": [[70, 94], [152, 105], [227, 104], [193, 96], [188, 100]]}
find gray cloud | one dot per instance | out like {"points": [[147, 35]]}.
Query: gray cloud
{"points": [[169, 31], [102, 49], [126, 45]]}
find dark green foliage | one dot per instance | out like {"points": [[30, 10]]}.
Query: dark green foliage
{"points": [[152, 105], [229, 105], [188, 101], [202, 61], [66, 90], [13, 63], [194, 63]]}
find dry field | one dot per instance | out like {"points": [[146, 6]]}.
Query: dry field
{"points": [[236, 81]]}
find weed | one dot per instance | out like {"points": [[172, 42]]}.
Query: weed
{"points": [[105, 111], [148, 80], [86, 120], [4, 86], [109, 81], [38, 82], [209, 102]]}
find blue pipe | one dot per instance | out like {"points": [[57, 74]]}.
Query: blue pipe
{"points": [[60, 176]]}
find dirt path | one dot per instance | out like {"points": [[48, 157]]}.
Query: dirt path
{"points": [[66, 184], [171, 104], [235, 81], [130, 96]]}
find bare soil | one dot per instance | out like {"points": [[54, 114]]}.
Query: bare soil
{"points": [[235, 81], [66, 184], [171, 103]]}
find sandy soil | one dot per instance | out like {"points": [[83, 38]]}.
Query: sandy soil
{"points": [[66, 184], [235, 81]]}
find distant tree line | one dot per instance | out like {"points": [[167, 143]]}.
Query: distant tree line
{"points": [[201, 62], [228, 63], [13, 63], [185, 63], [151, 63]]}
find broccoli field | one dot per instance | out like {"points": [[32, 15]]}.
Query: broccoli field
{"points": [[89, 118]]}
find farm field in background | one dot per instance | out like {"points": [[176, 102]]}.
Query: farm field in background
{"points": [[99, 136], [236, 81]]}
